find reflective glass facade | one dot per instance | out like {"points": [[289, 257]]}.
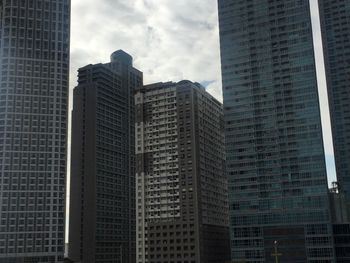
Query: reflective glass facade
{"points": [[275, 156], [34, 65], [335, 24]]}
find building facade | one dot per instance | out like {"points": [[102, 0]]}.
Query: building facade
{"points": [[335, 16], [102, 197], [340, 211], [34, 68], [275, 157], [182, 208], [341, 234]]}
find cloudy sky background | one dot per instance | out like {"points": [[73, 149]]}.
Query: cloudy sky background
{"points": [[170, 40]]}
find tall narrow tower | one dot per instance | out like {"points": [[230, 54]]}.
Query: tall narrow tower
{"points": [[275, 156], [34, 65], [335, 25], [102, 196]]}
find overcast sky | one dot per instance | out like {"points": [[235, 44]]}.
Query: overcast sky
{"points": [[169, 40]]}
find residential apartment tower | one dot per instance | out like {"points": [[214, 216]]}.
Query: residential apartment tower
{"points": [[102, 197], [182, 209]]}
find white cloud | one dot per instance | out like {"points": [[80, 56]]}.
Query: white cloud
{"points": [[169, 40]]}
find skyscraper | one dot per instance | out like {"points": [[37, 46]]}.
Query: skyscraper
{"points": [[275, 156], [34, 65], [182, 209], [335, 16], [102, 197]]}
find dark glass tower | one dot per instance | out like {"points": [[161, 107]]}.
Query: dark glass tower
{"points": [[275, 156], [335, 25], [102, 196], [34, 65]]}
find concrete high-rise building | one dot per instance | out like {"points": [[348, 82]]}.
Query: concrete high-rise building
{"points": [[182, 207], [335, 17], [275, 157], [102, 196], [34, 66]]}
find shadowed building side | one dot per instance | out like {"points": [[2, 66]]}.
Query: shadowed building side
{"points": [[102, 204]]}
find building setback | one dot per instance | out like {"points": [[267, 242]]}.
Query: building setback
{"points": [[182, 209], [102, 198], [335, 17], [274, 147], [34, 65]]}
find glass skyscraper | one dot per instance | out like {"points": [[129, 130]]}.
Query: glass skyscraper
{"points": [[34, 65], [278, 194], [335, 17]]}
